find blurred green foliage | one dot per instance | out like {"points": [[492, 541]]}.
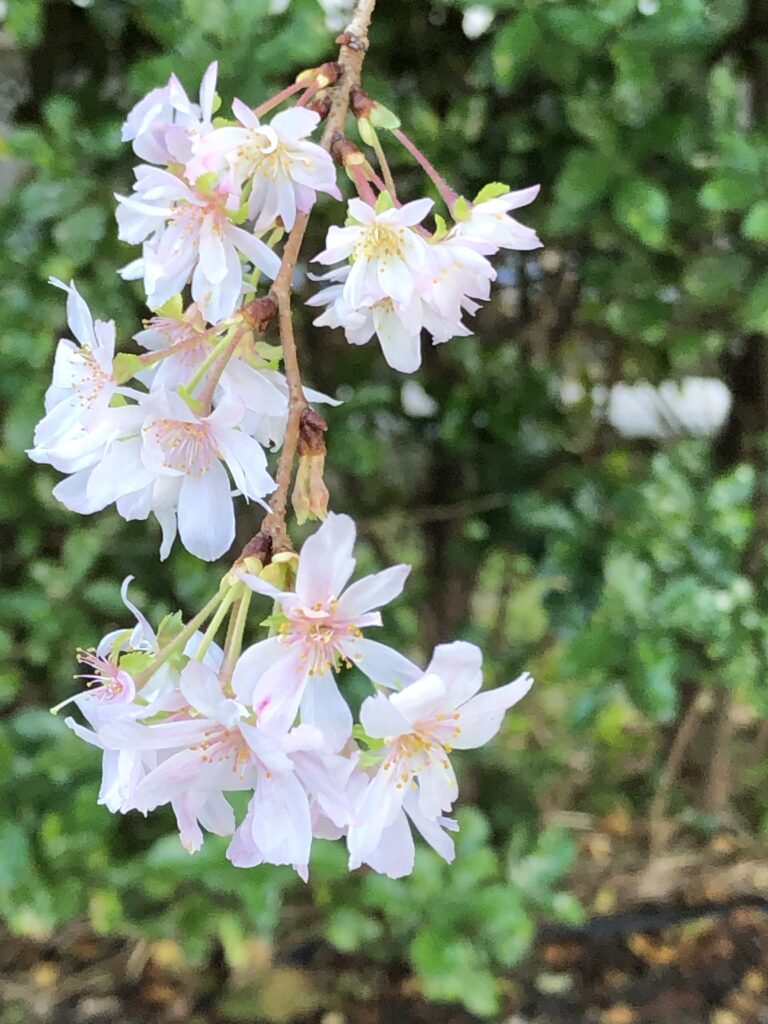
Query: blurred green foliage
{"points": [[628, 576]]}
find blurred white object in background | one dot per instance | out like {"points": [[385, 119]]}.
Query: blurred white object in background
{"points": [[337, 13], [696, 406], [416, 402], [477, 19]]}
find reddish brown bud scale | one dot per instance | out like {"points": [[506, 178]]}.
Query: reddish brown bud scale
{"points": [[360, 103], [328, 73], [260, 312], [259, 546], [312, 428], [322, 107], [345, 152]]}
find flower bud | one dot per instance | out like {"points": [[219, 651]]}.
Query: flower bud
{"points": [[310, 495]]}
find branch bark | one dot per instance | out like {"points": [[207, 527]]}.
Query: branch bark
{"points": [[354, 45]]}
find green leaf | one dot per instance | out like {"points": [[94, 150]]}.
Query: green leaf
{"points": [[382, 117], [730, 190], [755, 224], [492, 190], [461, 209], [513, 48], [755, 315], [643, 208]]}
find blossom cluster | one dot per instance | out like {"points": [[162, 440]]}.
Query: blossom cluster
{"points": [[207, 398], [183, 420], [397, 280], [184, 725]]}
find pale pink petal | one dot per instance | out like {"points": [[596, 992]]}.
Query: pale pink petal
{"points": [[253, 663], [395, 852], [380, 718], [372, 591], [326, 561], [385, 666], [481, 717]]}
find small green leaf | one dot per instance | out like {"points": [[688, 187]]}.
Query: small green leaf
{"points": [[384, 202], [756, 307], [461, 209], [173, 308], [643, 208], [492, 190]]}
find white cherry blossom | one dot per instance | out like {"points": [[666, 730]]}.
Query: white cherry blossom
{"points": [[164, 124], [283, 169], [420, 725], [188, 235]]}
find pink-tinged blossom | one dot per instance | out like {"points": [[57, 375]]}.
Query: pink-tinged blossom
{"points": [[322, 632], [400, 283], [76, 425], [490, 225], [283, 169], [188, 235], [420, 725], [210, 747], [171, 463], [388, 254], [164, 124], [395, 851]]}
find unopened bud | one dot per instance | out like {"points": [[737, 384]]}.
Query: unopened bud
{"points": [[281, 571], [310, 495], [259, 313], [328, 73], [345, 152]]}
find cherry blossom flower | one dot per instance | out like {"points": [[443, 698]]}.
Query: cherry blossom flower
{"points": [[420, 725], [77, 422], [388, 255], [210, 745], [170, 462], [187, 234], [283, 169], [395, 851], [164, 124], [489, 222], [446, 286], [322, 632]]}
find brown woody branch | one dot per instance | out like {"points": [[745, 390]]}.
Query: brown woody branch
{"points": [[354, 45]]}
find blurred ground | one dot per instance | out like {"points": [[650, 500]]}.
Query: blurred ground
{"points": [[686, 943]]}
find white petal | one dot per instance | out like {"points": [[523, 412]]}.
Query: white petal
{"points": [[372, 591], [325, 561], [481, 717], [205, 513], [380, 718], [324, 707], [422, 699], [385, 666], [459, 665]]}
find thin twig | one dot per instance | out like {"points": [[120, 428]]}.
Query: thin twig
{"points": [[354, 44], [206, 395], [658, 824]]}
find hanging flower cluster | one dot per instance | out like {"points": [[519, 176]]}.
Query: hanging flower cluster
{"points": [[182, 424]]}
